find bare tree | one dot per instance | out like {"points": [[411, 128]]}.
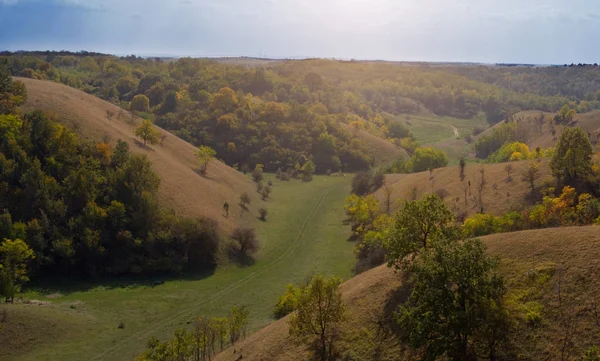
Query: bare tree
{"points": [[244, 242], [508, 169]]}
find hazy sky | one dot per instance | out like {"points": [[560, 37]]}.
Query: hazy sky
{"points": [[525, 31]]}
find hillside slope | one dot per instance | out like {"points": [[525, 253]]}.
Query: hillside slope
{"points": [[570, 256], [540, 135], [499, 195], [383, 151], [181, 188]]}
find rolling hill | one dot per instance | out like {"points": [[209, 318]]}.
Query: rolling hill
{"points": [[499, 195], [561, 257], [181, 189]]}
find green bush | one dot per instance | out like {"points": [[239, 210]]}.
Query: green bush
{"points": [[288, 302]]}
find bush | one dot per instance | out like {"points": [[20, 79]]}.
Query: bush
{"points": [[288, 302], [592, 354], [244, 242], [263, 214]]}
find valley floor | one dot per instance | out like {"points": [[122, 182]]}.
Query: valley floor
{"points": [[304, 235]]}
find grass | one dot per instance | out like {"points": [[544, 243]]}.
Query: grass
{"points": [[304, 235], [431, 128]]}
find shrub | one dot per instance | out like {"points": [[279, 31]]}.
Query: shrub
{"points": [[263, 214], [244, 242], [288, 302], [592, 354]]}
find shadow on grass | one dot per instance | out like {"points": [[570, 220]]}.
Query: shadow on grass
{"points": [[142, 145], [65, 286], [241, 259], [396, 298]]}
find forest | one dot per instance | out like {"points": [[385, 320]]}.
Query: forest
{"points": [[284, 113]]}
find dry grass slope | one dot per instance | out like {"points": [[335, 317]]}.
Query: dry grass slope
{"points": [[590, 122], [571, 255], [499, 195], [181, 189]]}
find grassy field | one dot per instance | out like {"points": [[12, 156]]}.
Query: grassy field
{"points": [[304, 235], [431, 128]]}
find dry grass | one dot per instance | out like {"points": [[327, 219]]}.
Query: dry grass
{"points": [[589, 121], [498, 199], [181, 187], [383, 151], [573, 253]]}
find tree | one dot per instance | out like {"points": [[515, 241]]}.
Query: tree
{"points": [[126, 85], [320, 311], [461, 168], [14, 256], [140, 103], [456, 302], [257, 173], [244, 242], [572, 159], [531, 174], [263, 214], [416, 224], [508, 169], [204, 154], [428, 158], [6, 82], [238, 321], [147, 132], [288, 302], [308, 169]]}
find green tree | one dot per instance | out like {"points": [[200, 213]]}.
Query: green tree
{"points": [[416, 224], [6, 81], [308, 169], [147, 132], [572, 159], [126, 85], [428, 158], [287, 302], [456, 302], [238, 322], [320, 311], [204, 154], [14, 256], [140, 103]]}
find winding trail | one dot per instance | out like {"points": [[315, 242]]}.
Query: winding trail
{"points": [[144, 333]]}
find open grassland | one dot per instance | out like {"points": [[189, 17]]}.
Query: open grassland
{"points": [[304, 235], [181, 188], [535, 263], [430, 128]]}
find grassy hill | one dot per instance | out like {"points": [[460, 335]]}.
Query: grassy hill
{"points": [[181, 188], [569, 256], [499, 195]]}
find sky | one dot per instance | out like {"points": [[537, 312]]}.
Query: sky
{"points": [[488, 31]]}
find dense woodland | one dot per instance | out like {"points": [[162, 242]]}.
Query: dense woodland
{"points": [[87, 208], [285, 113]]}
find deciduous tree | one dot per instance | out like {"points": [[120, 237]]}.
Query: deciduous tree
{"points": [[14, 256], [320, 311], [147, 132], [204, 154]]}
